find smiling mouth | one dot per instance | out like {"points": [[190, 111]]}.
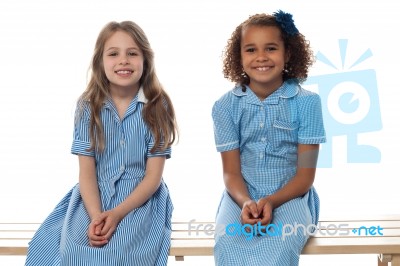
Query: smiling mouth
{"points": [[124, 72], [263, 68]]}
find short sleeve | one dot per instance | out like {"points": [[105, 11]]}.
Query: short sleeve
{"points": [[226, 132], [311, 128], [81, 136], [159, 152]]}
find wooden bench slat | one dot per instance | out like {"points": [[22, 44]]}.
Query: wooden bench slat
{"points": [[374, 245], [13, 251], [323, 224], [386, 233], [185, 241]]}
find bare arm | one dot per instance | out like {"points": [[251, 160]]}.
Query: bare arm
{"points": [[91, 198], [233, 178], [236, 186], [297, 186], [105, 224], [88, 185], [146, 188]]}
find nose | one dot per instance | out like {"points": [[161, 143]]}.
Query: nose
{"points": [[262, 56], [124, 60]]}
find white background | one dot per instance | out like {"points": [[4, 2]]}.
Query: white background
{"points": [[45, 50]]}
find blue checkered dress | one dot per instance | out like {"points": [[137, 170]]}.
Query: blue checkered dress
{"points": [[143, 236], [267, 134]]}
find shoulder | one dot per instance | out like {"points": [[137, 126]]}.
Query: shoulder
{"points": [[308, 97], [293, 89], [82, 112], [307, 101], [231, 97], [306, 93], [300, 98], [303, 95]]}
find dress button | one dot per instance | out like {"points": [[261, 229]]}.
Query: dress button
{"points": [[263, 139], [122, 168], [261, 155], [261, 125]]}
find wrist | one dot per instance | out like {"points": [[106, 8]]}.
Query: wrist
{"points": [[243, 201], [239, 198], [121, 211], [93, 215], [269, 200]]}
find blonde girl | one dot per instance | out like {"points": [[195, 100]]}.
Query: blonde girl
{"points": [[120, 211]]}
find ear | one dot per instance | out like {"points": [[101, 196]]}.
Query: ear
{"points": [[287, 56]]}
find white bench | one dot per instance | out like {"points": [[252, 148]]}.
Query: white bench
{"points": [[196, 239]]}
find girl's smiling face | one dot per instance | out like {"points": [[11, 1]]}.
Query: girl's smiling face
{"points": [[123, 61], [263, 58]]}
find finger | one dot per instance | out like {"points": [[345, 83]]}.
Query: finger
{"points": [[109, 233], [96, 238], [99, 243], [266, 220], [91, 229], [99, 219], [267, 217], [260, 207], [98, 228], [106, 227], [248, 219], [252, 209]]}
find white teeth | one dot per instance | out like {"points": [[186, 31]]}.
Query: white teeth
{"points": [[124, 72], [262, 68]]}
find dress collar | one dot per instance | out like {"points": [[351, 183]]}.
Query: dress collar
{"points": [[289, 89], [141, 97]]}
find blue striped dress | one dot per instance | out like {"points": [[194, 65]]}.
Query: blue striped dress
{"points": [[267, 134], [143, 236]]}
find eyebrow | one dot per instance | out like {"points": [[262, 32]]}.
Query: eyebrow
{"points": [[117, 48], [252, 44]]}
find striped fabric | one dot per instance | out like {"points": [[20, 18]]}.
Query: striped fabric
{"points": [[143, 236], [267, 134]]}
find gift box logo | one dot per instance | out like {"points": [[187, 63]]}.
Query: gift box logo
{"points": [[350, 105]]}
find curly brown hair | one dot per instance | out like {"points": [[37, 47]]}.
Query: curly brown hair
{"points": [[301, 55]]}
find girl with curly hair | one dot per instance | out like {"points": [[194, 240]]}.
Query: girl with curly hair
{"points": [[268, 130], [120, 211]]}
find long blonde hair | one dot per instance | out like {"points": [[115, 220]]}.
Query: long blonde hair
{"points": [[158, 112]]}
